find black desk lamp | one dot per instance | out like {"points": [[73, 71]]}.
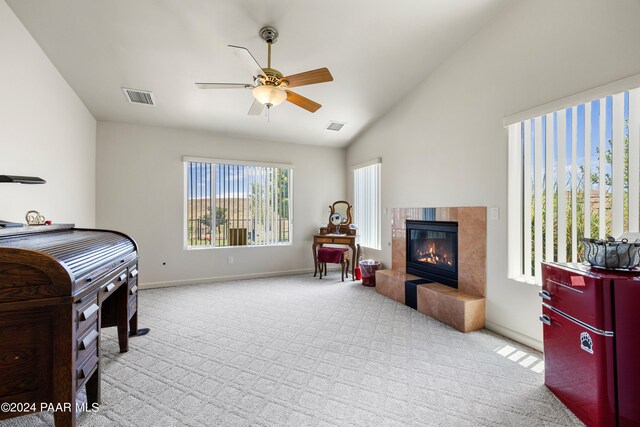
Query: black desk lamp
{"points": [[22, 179]]}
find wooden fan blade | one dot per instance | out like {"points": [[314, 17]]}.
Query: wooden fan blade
{"points": [[320, 75], [256, 108], [249, 60], [302, 102], [224, 85]]}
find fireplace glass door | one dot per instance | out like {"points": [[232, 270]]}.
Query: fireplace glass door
{"points": [[432, 251], [435, 248]]}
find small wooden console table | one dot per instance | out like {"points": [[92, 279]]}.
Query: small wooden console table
{"points": [[335, 239]]}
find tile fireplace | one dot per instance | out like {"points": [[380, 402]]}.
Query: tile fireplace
{"points": [[438, 263]]}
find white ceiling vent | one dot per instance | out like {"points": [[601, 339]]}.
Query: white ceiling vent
{"points": [[334, 126], [136, 96]]}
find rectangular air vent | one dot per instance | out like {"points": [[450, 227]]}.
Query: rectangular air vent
{"points": [[136, 96], [335, 126]]}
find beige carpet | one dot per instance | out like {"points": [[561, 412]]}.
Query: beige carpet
{"points": [[306, 352]]}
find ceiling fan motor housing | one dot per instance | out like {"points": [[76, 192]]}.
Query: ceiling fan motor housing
{"points": [[269, 34]]}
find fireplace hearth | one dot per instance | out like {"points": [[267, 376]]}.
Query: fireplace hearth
{"points": [[432, 251]]}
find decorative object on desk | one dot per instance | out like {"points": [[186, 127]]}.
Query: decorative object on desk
{"points": [[35, 218], [352, 230], [611, 254], [336, 219], [343, 208], [22, 179]]}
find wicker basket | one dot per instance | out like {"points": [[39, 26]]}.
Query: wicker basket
{"points": [[611, 254]]}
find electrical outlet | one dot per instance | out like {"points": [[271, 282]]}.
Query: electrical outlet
{"points": [[230, 260], [494, 213]]}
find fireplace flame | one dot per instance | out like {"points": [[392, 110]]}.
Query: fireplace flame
{"points": [[430, 256]]}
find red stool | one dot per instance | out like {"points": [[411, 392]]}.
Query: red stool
{"points": [[333, 256]]}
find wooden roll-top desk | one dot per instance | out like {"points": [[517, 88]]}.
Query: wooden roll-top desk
{"points": [[59, 286]]}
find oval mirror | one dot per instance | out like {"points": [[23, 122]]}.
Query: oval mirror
{"points": [[344, 209]]}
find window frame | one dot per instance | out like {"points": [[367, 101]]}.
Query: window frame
{"points": [[516, 167], [215, 161]]}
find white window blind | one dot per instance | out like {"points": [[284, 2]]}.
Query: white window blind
{"points": [[366, 180], [573, 173], [230, 204]]}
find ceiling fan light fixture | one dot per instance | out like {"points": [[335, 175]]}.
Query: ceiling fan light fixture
{"points": [[269, 95]]}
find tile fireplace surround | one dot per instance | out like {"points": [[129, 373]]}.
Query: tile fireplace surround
{"points": [[462, 308]]}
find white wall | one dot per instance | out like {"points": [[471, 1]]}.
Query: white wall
{"points": [[445, 145], [140, 192], [45, 131]]}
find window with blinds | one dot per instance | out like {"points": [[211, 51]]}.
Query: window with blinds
{"points": [[232, 204], [573, 173], [366, 185]]}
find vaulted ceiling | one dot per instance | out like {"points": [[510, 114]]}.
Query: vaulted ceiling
{"points": [[376, 50]]}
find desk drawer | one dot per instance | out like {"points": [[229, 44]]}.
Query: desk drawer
{"points": [[133, 295], [85, 370], [133, 290], [133, 305], [132, 280], [342, 241], [112, 283], [324, 240], [87, 344], [133, 283], [133, 272], [86, 313], [117, 275]]}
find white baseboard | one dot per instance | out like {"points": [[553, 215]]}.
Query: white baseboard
{"points": [[516, 336], [204, 280]]}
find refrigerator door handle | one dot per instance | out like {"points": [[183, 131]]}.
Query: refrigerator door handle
{"points": [[545, 295], [576, 321], [545, 319]]}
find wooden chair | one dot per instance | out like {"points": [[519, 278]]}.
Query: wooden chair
{"points": [[333, 256]]}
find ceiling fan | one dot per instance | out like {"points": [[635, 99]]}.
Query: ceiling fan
{"points": [[270, 87]]}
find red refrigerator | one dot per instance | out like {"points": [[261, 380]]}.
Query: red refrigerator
{"points": [[591, 323]]}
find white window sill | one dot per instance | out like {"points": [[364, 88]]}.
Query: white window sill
{"points": [[529, 280]]}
